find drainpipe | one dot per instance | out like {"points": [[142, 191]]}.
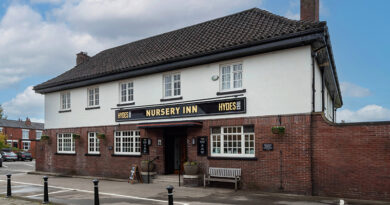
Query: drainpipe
{"points": [[322, 90], [313, 55]]}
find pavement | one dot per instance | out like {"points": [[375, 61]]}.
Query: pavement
{"points": [[28, 189]]}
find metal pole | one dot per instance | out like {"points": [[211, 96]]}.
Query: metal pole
{"points": [[45, 190], [148, 172], [96, 190], [179, 176], [170, 194], [9, 185]]}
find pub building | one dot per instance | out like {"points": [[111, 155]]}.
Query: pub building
{"points": [[209, 93]]}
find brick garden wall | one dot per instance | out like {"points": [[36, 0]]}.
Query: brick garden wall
{"points": [[347, 161]]}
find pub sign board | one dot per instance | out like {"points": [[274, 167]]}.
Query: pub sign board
{"points": [[202, 146], [215, 107], [145, 146], [268, 147]]}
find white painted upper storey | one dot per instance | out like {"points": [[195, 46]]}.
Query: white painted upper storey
{"points": [[276, 83]]}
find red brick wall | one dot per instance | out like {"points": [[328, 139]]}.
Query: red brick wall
{"points": [[16, 134], [347, 161], [352, 160]]}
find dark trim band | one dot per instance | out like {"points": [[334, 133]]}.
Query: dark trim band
{"points": [[124, 155], [72, 154], [94, 155], [125, 104]]}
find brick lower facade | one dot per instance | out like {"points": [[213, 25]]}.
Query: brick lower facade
{"points": [[313, 156]]}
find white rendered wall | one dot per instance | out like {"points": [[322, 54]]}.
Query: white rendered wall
{"points": [[276, 83]]}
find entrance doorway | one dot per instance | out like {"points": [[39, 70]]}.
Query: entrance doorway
{"points": [[175, 150]]}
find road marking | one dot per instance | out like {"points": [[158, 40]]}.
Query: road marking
{"points": [[49, 193], [4, 166], [29, 165], [103, 193]]}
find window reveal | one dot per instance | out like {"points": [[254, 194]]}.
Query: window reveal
{"points": [[127, 142], [93, 143], [65, 143], [93, 97], [233, 141], [231, 76]]}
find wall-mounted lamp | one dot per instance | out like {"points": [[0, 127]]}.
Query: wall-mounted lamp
{"points": [[193, 141], [149, 142]]}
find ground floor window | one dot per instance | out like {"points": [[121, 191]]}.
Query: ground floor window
{"points": [[127, 142], [12, 143], [65, 143], [93, 143], [233, 141], [26, 145]]}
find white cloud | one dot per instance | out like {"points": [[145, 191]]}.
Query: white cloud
{"points": [[353, 90], [46, 1], [367, 113], [136, 19], [292, 15], [25, 104]]}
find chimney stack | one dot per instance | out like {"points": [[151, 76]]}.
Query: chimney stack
{"points": [[310, 10], [28, 121], [81, 58]]}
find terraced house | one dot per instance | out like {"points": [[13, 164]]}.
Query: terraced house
{"points": [[212, 93]]}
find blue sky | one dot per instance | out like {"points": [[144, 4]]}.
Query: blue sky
{"points": [[39, 40]]}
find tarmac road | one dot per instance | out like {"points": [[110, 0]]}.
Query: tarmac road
{"points": [[17, 167]]}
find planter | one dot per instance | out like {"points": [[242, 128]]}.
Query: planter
{"points": [[44, 138], [144, 166], [278, 130], [101, 136], [76, 136], [191, 169]]}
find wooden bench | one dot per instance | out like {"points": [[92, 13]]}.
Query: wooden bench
{"points": [[223, 175]]}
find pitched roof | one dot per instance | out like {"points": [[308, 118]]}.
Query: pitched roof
{"points": [[21, 124], [243, 29]]}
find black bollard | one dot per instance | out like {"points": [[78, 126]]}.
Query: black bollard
{"points": [[170, 194], [9, 194], [96, 190], [45, 190]]}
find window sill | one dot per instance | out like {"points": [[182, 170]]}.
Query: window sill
{"points": [[92, 108], [125, 104], [126, 155], [233, 158], [59, 153], [231, 92], [62, 111], [171, 99], [93, 154]]}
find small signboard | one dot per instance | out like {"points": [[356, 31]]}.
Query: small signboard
{"points": [[134, 174], [268, 147], [145, 145], [202, 146]]}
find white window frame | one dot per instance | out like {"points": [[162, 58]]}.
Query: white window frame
{"points": [[1, 129], [28, 143], [174, 85], [93, 97], [38, 136], [23, 134], [222, 146], [93, 143], [132, 139], [235, 80], [128, 91], [65, 100], [61, 142]]}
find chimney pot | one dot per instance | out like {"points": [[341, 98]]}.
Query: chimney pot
{"points": [[28, 121], [81, 58], [310, 10]]}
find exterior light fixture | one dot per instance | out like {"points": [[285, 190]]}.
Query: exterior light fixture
{"points": [[214, 77], [193, 141]]}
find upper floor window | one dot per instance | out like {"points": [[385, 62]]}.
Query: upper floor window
{"points": [[93, 143], [231, 76], [1, 129], [65, 101], [93, 97], [25, 134], [127, 142], [233, 141], [172, 85], [126, 92], [38, 134], [65, 143]]}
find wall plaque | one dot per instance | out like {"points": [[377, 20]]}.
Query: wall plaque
{"points": [[202, 146], [145, 145], [214, 107], [268, 147]]}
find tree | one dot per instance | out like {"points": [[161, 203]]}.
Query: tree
{"points": [[2, 115], [3, 141]]}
